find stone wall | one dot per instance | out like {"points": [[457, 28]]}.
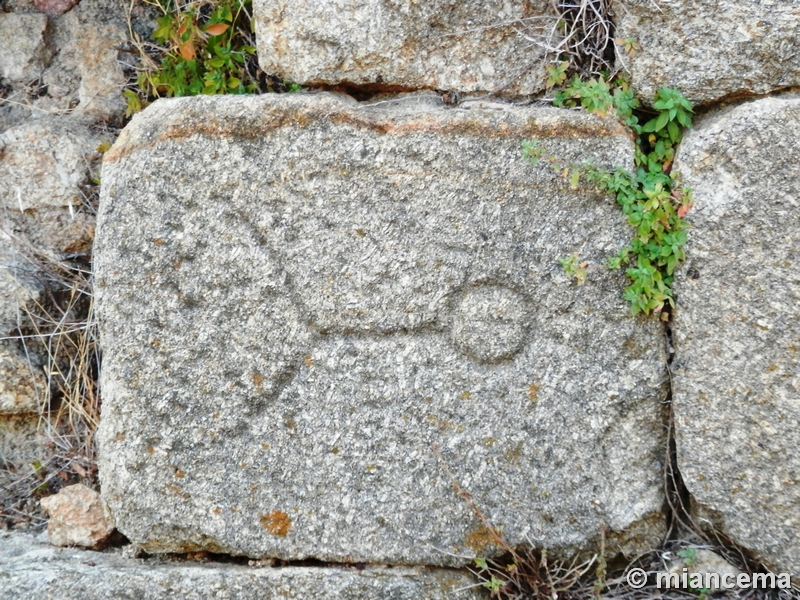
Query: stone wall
{"points": [[60, 79], [326, 323]]}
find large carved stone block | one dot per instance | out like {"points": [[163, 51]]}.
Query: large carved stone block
{"points": [[31, 570], [317, 316]]}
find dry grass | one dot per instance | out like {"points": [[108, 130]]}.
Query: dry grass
{"points": [[61, 328], [58, 334]]}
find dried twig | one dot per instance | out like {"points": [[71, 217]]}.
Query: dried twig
{"points": [[582, 33]]}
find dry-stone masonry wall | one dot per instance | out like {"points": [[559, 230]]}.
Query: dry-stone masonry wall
{"points": [[22, 45], [337, 293], [736, 382], [318, 314], [60, 84]]}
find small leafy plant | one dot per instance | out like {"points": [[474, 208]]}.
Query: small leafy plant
{"points": [[202, 47], [688, 556], [651, 198], [557, 74], [574, 268], [689, 559]]}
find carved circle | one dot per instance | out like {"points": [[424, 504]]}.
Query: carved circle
{"points": [[490, 323]]}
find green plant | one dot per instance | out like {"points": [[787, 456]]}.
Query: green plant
{"points": [[203, 47], [574, 268], [556, 75], [688, 556], [689, 559], [629, 45], [493, 584], [651, 198]]}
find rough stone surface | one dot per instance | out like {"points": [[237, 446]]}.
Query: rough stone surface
{"points": [[66, 64], [703, 561], [18, 378], [18, 284], [22, 46], [737, 329], [31, 570], [87, 70], [18, 438], [19, 382], [710, 50], [22, 444], [44, 161], [77, 517], [440, 44], [302, 298]]}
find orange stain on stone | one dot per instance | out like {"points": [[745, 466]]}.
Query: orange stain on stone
{"points": [[277, 523], [480, 539], [258, 382]]}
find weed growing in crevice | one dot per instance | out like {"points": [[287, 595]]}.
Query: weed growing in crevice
{"points": [[574, 268], [199, 47], [651, 198]]}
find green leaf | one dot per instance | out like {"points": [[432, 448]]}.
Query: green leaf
{"points": [[650, 126], [661, 121], [494, 584], [674, 132]]}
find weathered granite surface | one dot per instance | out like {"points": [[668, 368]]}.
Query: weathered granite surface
{"points": [[19, 440], [18, 382], [23, 51], [736, 381], [60, 64], [709, 50], [32, 570], [303, 300], [18, 286], [439, 44], [87, 72], [44, 161]]}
